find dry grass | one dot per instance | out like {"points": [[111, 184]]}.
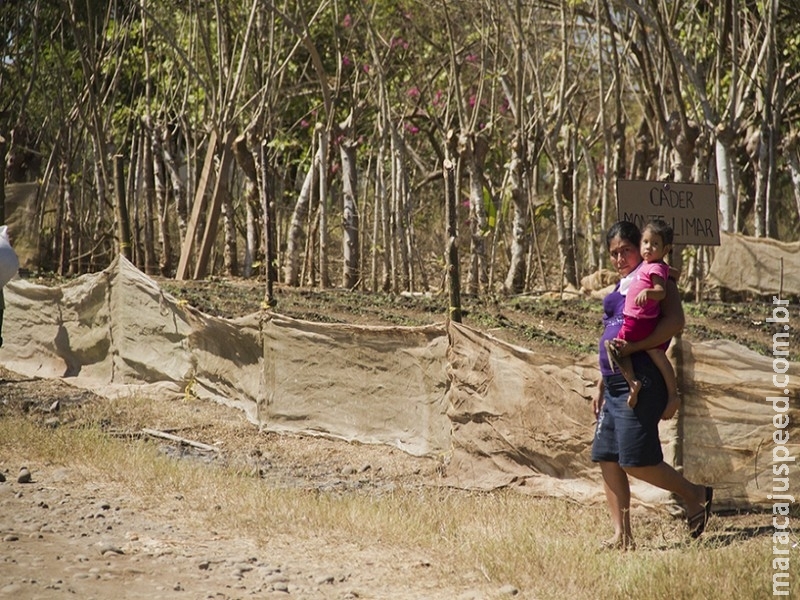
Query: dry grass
{"points": [[548, 548]]}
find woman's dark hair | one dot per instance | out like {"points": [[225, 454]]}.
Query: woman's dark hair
{"points": [[626, 231]]}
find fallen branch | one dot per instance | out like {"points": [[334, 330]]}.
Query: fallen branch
{"points": [[180, 440]]}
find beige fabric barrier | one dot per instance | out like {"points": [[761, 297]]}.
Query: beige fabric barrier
{"points": [[494, 413], [518, 417], [117, 333], [748, 264], [728, 424], [371, 384]]}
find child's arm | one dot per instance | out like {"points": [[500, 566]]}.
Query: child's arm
{"points": [[658, 292]]}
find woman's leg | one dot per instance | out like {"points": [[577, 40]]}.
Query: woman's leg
{"points": [[618, 498], [667, 478]]}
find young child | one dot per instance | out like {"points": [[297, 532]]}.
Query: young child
{"points": [[642, 309]]}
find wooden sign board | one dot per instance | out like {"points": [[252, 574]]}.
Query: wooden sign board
{"points": [[691, 208]]}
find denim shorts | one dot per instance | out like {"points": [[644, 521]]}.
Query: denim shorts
{"points": [[629, 436]]}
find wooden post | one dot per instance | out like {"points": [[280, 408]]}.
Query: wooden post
{"points": [[453, 274], [198, 208], [212, 219], [268, 208]]}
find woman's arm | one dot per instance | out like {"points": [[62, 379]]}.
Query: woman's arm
{"points": [[597, 401], [669, 324]]}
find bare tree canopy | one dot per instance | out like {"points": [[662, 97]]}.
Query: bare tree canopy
{"points": [[204, 124]]}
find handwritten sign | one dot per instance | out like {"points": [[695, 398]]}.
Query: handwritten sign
{"points": [[691, 208]]}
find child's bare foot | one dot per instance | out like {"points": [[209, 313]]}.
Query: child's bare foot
{"points": [[633, 399], [671, 408]]}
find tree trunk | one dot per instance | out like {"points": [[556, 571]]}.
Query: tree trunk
{"points": [[324, 275], [149, 204], [133, 186], [595, 248], [350, 221], [123, 222], [791, 146], [683, 137], [398, 212], [576, 194], [70, 247], [179, 192], [383, 202], [643, 152], [562, 201], [764, 174], [3, 149], [230, 254], [162, 218], [683, 147], [296, 236], [378, 218], [246, 162], [515, 279], [472, 150], [725, 178]]}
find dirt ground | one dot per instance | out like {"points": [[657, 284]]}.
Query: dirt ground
{"points": [[64, 537]]}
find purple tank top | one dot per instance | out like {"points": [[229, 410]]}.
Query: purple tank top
{"points": [[613, 305]]}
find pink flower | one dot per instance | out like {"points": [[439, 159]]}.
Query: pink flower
{"points": [[304, 123], [411, 128], [471, 58], [413, 92], [346, 61], [365, 68], [347, 21]]}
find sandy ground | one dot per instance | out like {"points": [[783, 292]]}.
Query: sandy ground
{"points": [[63, 535], [66, 540]]}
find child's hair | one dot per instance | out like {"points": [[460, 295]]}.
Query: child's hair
{"points": [[662, 229]]}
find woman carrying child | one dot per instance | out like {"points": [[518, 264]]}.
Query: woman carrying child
{"points": [[626, 441], [647, 288]]}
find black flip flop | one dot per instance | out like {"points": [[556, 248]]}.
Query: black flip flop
{"points": [[698, 521], [613, 355]]}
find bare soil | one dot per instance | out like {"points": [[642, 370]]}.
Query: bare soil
{"points": [[64, 537]]}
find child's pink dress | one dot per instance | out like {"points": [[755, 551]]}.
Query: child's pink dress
{"points": [[639, 321]]}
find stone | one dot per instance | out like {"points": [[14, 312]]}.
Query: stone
{"points": [[24, 475]]}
